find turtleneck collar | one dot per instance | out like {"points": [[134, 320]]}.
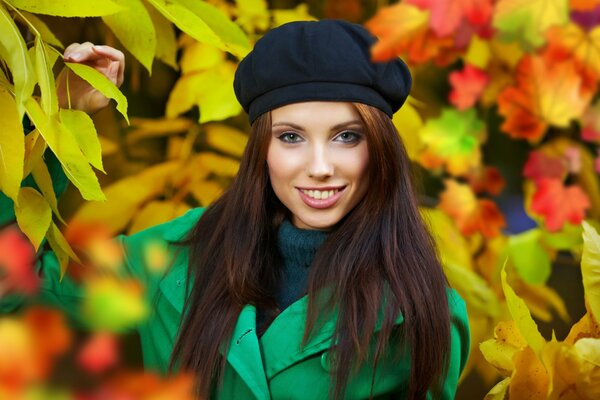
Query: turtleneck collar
{"points": [[298, 246]]}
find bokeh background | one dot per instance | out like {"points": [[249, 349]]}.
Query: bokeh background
{"points": [[502, 125]]}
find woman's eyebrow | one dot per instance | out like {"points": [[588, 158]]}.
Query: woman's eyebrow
{"points": [[333, 128]]}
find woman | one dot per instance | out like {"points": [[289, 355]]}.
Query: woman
{"points": [[314, 275]]}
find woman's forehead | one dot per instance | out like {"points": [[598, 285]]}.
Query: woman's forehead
{"points": [[315, 113]]}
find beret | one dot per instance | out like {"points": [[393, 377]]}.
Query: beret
{"points": [[326, 60]]}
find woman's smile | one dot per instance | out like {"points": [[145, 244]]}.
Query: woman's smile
{"points": [[317, 159]]}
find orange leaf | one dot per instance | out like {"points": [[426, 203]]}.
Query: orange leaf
{"points": [[403, 29], [571, 41], [17, 262], [487, 180], [546, 93], [449, 15], [540, 165], [467, 86], [471, 214], [559, 204], [583, 5]]}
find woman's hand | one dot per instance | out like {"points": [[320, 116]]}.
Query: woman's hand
{"points": [[107, 60]]}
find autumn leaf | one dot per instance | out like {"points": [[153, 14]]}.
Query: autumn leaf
{"points": [[51, 335], [486, 179], [528, 20], [467, 86], [252, 15], [500, 350], [113, 305], [448, 15], [453, 140], [590, 268], [156, 212], [539, 165], [545, 94], [530, 379], [583, 5], [12, 146], [17, 263], [590, 124], [99, 353], [558, 203], [470, 213], [299, 13], [571, 41]]}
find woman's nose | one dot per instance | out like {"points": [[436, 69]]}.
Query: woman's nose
{"points": [[320, 165]]}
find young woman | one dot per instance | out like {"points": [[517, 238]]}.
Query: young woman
{"points": [[314, 275]]}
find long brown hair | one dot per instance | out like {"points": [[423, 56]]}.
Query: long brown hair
{"points": [[379, 260]]}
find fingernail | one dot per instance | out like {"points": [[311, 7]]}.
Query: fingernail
{"points": [[75, 56]]}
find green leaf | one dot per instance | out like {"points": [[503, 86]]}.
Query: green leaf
{"points": [[12, 146], [68, 8], [139, 38], [590, 268], [193, 17], [66, 148], [43, 67], [46, 34], [166, 43], [530, 259], [14, 51], [42, 178], [473, 288], [82, 127], [33, 215], [522, 317], [102, 84], [568, 238], [61, 248]]}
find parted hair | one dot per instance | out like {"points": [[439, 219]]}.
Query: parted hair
{"points": [[378, 262]]}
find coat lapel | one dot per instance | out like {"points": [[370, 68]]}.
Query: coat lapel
{"points": [[244, 354]]}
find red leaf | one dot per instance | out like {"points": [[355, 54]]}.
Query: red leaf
{"points": [[99, 353], [539, 166], [559, 204], [467, 86], [17, 262], [449, 15]]}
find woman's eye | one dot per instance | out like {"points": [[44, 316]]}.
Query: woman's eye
{"points": [[290, 137], [348, 137]]}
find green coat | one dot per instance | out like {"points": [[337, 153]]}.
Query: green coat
{"points": [[270, 367]]}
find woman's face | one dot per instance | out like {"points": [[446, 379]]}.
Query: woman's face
{"points": [[318, 161]]}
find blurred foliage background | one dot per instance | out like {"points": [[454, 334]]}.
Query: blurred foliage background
{"points": [[503, 126]]}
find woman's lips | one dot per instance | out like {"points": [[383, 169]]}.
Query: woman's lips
{"points": [[310, 196]]}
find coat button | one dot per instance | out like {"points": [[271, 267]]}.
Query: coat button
{"points": [[179, 282], [325, 361]]}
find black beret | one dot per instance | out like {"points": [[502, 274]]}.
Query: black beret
{"points": [[326, 60]]}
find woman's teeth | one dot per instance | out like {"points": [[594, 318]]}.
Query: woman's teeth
{"points": [[320, 194]]}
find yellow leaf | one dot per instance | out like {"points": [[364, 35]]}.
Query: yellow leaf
{"points": [[206, 192], [529, 380], [102, 84], [299, 13], [252, 15], [124, 197], [34, 150], [43, 67], [61, 248], [226, 139], [478, 53], [520, 313], [33, 215], [475, 290], [500, 351], [450, 242], [205, 23], [156, 212], [152, 127], [211, 90], [585, 327], [542, 300], [14, 51], [166, 44], [82, 128], [156, 256], [46, 34], [590, 268], [12, 146], [108, 146], [65, 146], [498, 392], [219, 165], [42, 178], [200, 56], [68, 8], [133, 27], [408, 121]]}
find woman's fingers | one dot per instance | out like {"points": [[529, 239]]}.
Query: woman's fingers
{"points": [[106, 59], [115, 56]]}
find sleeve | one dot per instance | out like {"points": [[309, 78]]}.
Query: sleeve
{"points": [[460, 340]]}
